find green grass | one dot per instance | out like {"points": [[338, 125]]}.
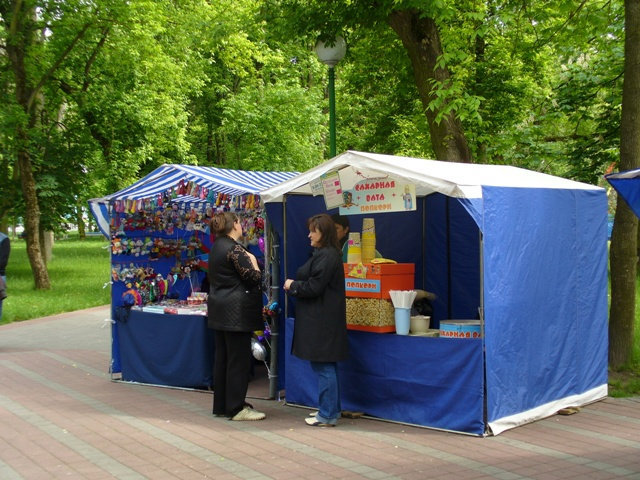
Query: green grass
{"points": [[78, 271]]}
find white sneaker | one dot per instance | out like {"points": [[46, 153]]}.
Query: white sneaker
{"points": [[314, 422], [248, 413]]}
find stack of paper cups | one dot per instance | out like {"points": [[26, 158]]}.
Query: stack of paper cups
{"points": [[368, 240], [354, 252]]}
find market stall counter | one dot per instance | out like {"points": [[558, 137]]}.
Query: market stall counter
{"points": [[165, 349], [435, 382]]}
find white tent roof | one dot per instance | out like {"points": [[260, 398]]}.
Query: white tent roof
{"points": [[463, 180]]}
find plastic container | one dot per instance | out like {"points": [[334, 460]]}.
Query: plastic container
{"points": [[403, 320], [354, 249], [420, 323]]}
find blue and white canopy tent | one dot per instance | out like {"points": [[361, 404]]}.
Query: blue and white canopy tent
{"points": [[627, 184], [218, 180], [524, 252], [185, 188]]}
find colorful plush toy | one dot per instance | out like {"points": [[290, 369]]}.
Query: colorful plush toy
{"points": [[116, 246]]}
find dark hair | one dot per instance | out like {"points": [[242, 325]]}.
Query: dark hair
{"points": [[340, 220], [222, 223], [324, 224]]}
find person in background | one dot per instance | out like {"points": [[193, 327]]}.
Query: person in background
{"points": [[341, 223], [320, 329], [5, 249], [235, 312]]}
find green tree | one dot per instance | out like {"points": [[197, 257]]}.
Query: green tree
{"points": [[257, 109], [623, 251], [417, 25], [79, 75]]}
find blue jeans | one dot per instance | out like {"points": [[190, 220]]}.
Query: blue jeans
{"points": [[328, 391]]}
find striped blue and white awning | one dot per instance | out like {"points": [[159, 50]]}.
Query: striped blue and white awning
{"points": [[167, 177]]}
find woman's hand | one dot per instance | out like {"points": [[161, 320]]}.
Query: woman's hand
{"points": [[287, 283]]}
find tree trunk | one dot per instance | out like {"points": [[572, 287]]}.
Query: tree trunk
{"points": [[623, 251], [16, 46], [421, 39], [46, 244], [80, 222], [32, 218]]}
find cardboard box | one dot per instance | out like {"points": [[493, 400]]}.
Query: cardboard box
{"points": [[370, 315], [379, 280], [460, 329]]}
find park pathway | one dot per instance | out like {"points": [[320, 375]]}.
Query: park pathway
{"points": [[62, 416]]}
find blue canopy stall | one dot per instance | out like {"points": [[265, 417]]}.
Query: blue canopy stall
{"points": [[155, 225], [627, 184], [524, 252]]}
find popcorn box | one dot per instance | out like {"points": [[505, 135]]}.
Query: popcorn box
{"points": [[380, 278], [370, 315]]}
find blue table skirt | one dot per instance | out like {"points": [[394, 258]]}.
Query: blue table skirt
{"points": [[433, 382], [161, 349]]}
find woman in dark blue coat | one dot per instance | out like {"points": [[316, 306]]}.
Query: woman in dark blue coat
{"points": [[320, 329], [235, 312]]}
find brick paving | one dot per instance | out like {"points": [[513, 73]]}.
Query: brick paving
{"points": [[62, 416]]}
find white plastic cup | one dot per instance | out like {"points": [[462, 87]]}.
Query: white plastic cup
{"points": [[403, 320]]}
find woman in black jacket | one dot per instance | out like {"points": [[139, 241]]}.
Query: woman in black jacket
{"points": [[320, 329], [235, 312]]}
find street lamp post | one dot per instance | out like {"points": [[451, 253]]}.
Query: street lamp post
{"points": [[330, 53]]}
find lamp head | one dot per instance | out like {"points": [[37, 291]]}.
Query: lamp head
{"points": [[331, 52]]}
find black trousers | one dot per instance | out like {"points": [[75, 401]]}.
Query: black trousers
{"points": [[231, 370]]}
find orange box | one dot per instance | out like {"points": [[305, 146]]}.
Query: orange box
{"points": [[380, 279]]}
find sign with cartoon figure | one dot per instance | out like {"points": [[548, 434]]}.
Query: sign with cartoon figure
{"points": [[379, 195]]}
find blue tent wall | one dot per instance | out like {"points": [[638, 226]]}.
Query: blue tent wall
{"points": [[545, 285], [592, 289], [452, 259]]}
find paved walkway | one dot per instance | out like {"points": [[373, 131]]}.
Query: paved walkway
{"points": [[61, 416]]}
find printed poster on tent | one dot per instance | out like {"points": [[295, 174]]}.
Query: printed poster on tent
{"points": [[379, 195], [331, 188]]}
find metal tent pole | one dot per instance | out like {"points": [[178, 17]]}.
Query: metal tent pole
{"points": [[274, 295]]}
